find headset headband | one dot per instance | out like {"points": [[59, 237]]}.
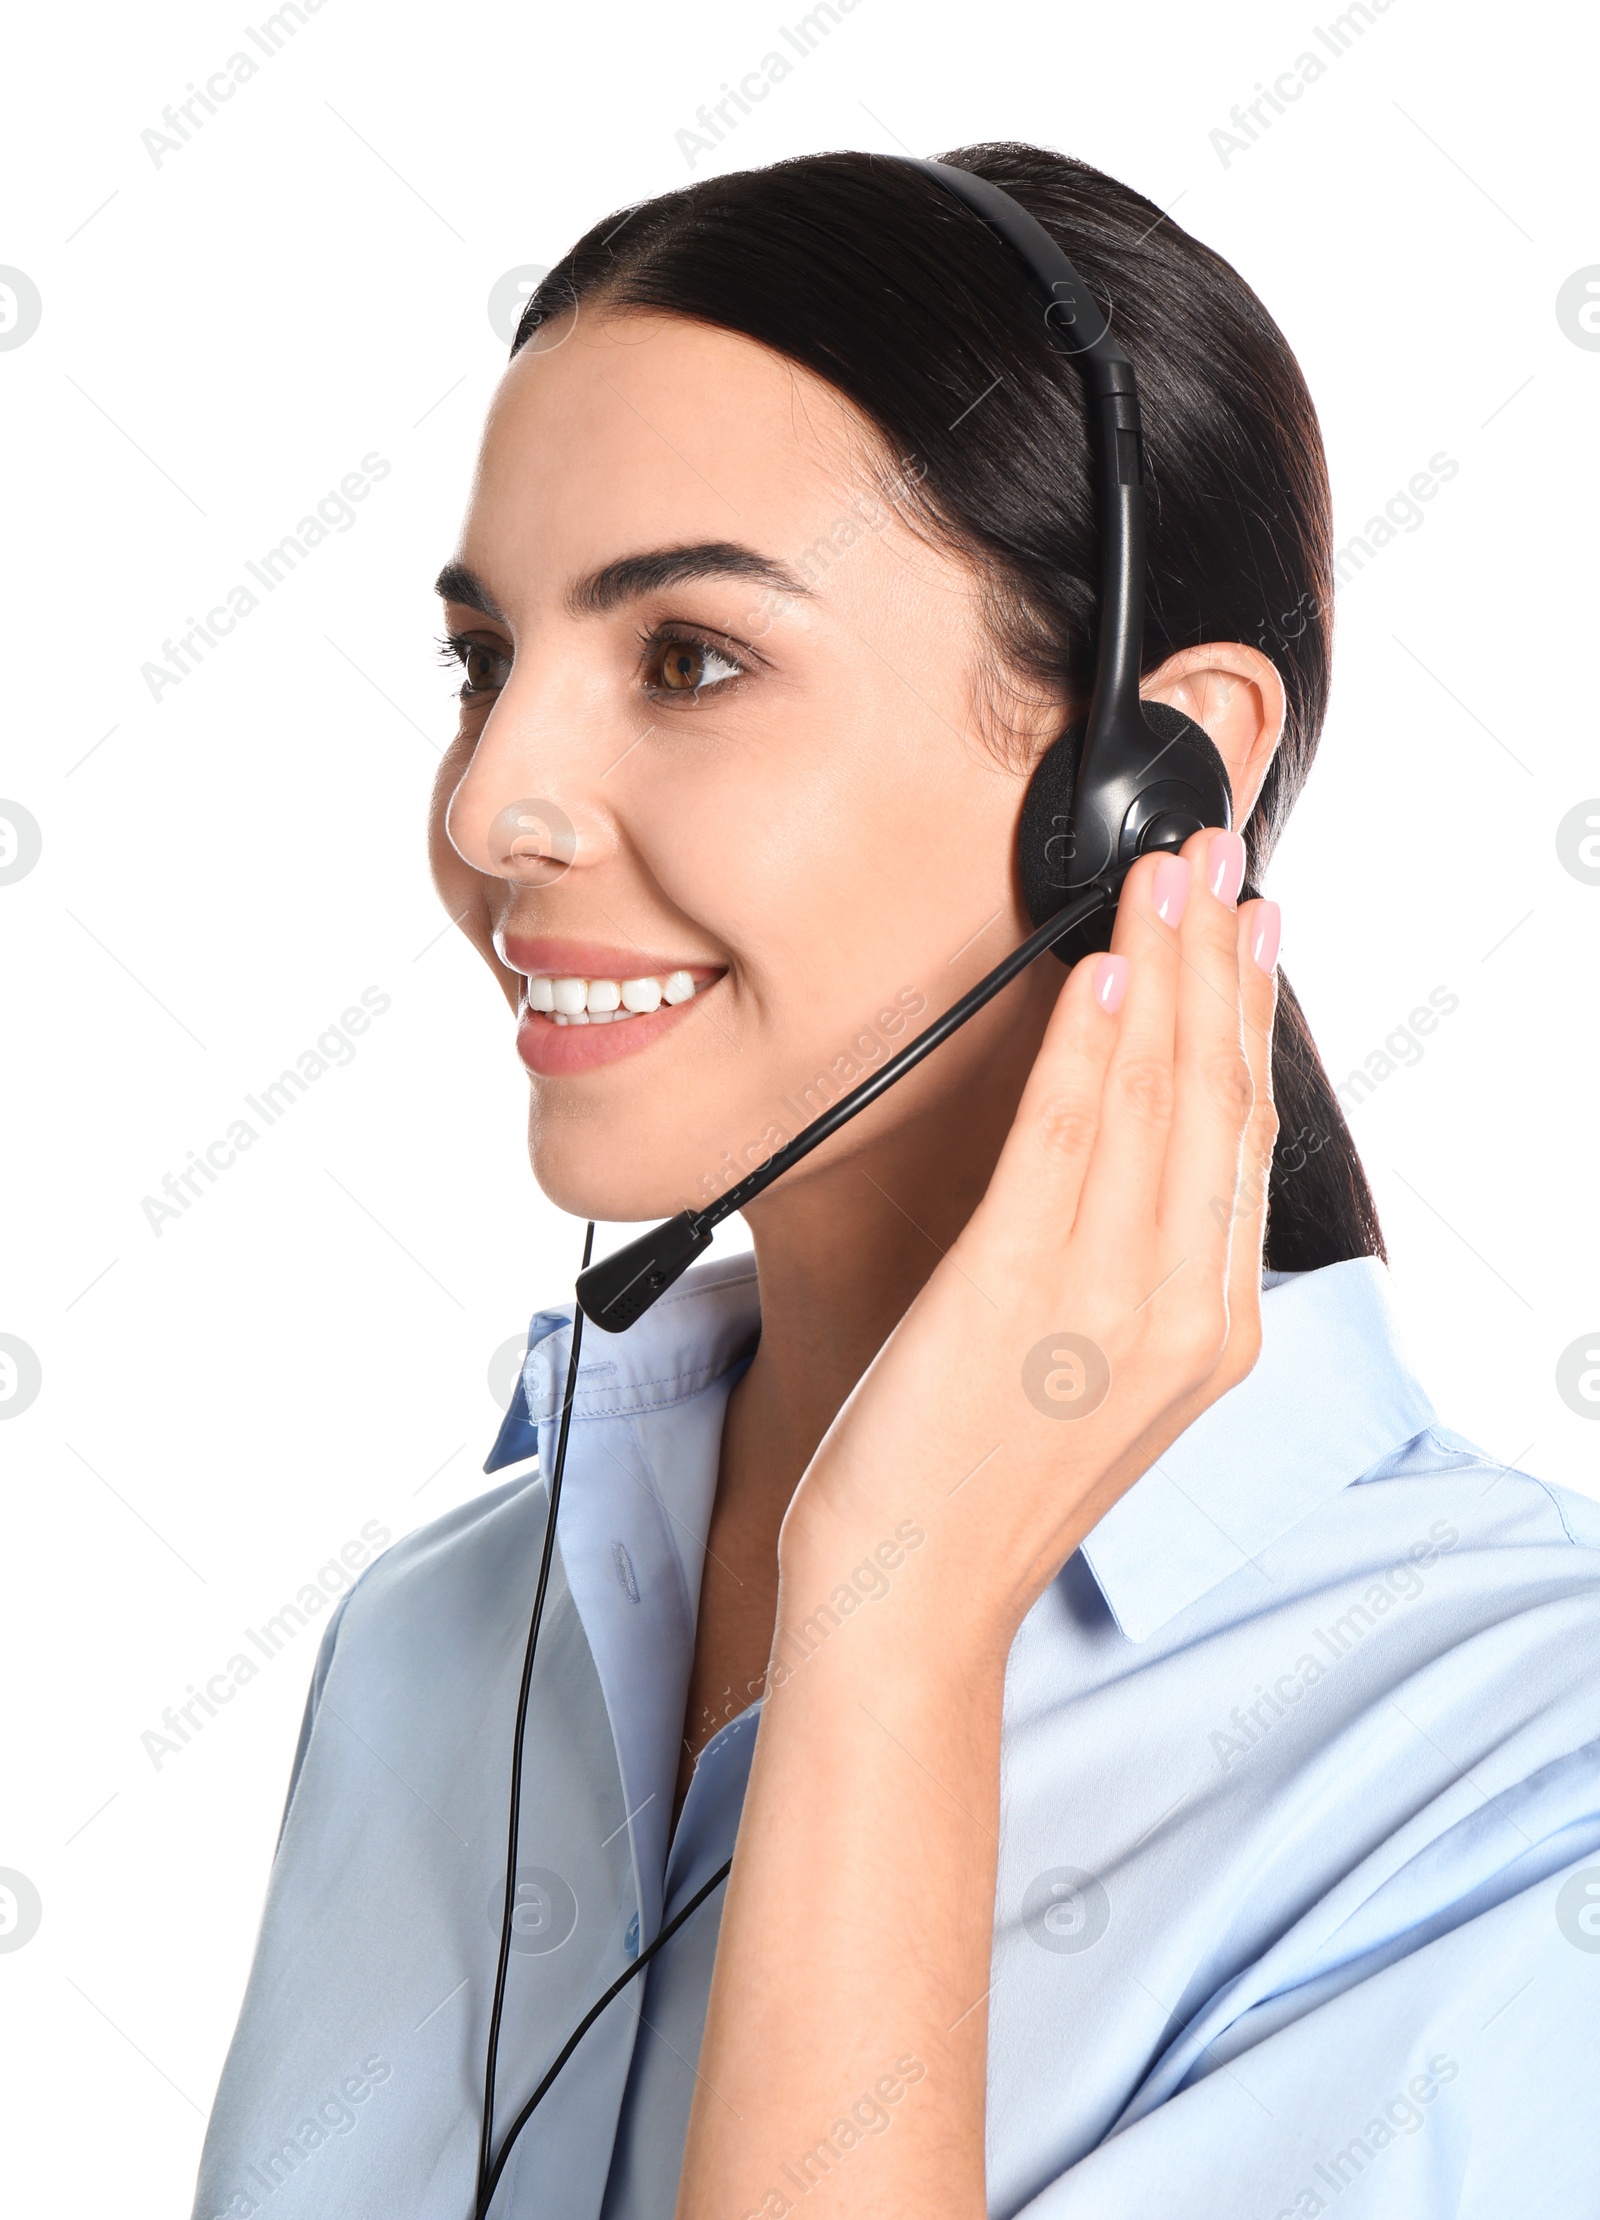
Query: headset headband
{"points": [[1115, 436], [1105, 785]]}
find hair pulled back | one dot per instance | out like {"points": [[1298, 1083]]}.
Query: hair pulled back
{"points": [[872, 277]]}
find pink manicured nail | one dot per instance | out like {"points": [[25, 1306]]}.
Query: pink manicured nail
{"points": [[1111, 983], [1171, 888], [1225, 866], [1266, 934]]}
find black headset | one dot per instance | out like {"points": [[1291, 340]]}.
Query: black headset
{"points": [[1132, 777]]}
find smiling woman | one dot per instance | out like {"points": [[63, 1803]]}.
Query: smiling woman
{"points": [[1059, 1417]]}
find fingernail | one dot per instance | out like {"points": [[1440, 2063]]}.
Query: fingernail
{"points": [[1171, 889], [1265, 935], [1111, 983], [1225, 866]]}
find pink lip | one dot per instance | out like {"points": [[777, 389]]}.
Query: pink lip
{"points": [[564, 1051], [560, 1051]]}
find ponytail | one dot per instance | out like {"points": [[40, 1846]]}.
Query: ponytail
{"points": [[1320, 1208]]}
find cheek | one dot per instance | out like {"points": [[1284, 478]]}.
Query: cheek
{"points": [[807, 877], [858, 850]]}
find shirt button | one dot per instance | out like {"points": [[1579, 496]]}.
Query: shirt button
{"points": [[630, 1941]]}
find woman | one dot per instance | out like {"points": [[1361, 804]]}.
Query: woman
{"points": [[1193, 1806]]}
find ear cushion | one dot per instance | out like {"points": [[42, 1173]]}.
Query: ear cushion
{"points": [[1182, 757]]}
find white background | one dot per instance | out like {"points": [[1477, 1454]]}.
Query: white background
{"points": [[224, 336]]}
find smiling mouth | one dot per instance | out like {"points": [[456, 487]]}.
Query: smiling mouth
{"points": [[564, 999]]}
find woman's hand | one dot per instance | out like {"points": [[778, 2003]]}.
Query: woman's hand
{"points": [[1106, 1290]]}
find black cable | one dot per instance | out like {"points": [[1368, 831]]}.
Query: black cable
{"points": [[490, 2167], [588, 2020], [486, 2136]]}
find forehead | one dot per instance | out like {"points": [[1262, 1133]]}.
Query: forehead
{"points": [[633, 430]]}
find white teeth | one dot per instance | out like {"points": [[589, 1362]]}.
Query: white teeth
{"points": [[605, 1001]]}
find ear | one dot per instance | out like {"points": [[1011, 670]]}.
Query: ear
{"points": [[1235, 694]]}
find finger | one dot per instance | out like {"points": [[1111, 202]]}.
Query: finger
{"points": [[1122, 1185], [1040, 1173], [1256, 952], [1259, 925], [1214, 1084]]}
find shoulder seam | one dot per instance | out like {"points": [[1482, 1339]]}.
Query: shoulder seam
{"points": [[1483, 1463], [1555, 1504]]}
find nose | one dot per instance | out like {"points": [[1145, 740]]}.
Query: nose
{"points": [[522, 811], [531, 842]]}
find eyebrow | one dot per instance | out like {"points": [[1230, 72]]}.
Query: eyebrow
{"points": [[458, 584], [630, 577]]}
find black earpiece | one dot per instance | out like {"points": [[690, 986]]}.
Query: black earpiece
{"points": [[1174, 786]]}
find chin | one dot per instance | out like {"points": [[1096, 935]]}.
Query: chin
{"points": [[581, 1175], [659, 1155]]}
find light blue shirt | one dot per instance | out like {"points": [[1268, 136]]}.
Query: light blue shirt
{"points": [[1299, 1884]]}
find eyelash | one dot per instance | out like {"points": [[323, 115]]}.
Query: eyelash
{"points": [[454, 648]]}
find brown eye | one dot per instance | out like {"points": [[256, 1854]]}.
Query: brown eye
{"points": [[481, 666], [678, 666], [681, 667]]}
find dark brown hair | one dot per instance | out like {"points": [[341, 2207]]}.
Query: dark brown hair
{"points": [[869, 275]]}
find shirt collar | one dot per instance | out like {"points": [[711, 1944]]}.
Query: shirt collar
{"points": [[689, 1338], [1329, 1398]]}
